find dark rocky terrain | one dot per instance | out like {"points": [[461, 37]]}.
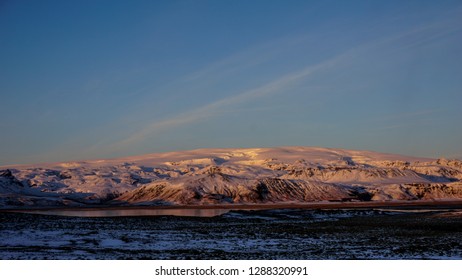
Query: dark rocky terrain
{"points": [[268, 234]]}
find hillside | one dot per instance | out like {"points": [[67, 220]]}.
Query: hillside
{"points": [[232, 176]]}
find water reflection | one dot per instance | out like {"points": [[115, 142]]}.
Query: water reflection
{"points": [[131, 212]]}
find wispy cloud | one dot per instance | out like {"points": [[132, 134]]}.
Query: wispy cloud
{"points": [[403, 120], [247, 58], [277, 86], [427, 34], [419, 35]]}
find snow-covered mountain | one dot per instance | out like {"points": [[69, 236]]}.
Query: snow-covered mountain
{"points": [[225, 176]]}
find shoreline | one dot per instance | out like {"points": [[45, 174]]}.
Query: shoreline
{"points": [[443, 204]]}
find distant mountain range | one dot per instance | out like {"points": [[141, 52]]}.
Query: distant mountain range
{"points": [[232, 176]]}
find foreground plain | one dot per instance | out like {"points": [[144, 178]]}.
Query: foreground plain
{"points": [[262, 234]]}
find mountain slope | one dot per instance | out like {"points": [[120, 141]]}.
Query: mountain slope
{"points": [[224, 176]]}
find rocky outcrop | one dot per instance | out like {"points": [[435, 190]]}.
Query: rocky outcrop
{"points": [[9, 183]]}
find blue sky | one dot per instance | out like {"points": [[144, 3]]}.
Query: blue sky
{"points": [[101, 79]]}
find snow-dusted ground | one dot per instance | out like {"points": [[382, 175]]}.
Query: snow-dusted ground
{"points": [[232, 176], [272, 177], [264, 234]]}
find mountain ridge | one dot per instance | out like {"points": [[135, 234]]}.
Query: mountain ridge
{"points": [[230, 176]]}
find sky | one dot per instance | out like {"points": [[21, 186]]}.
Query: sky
{"points": [[91, 79]]}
